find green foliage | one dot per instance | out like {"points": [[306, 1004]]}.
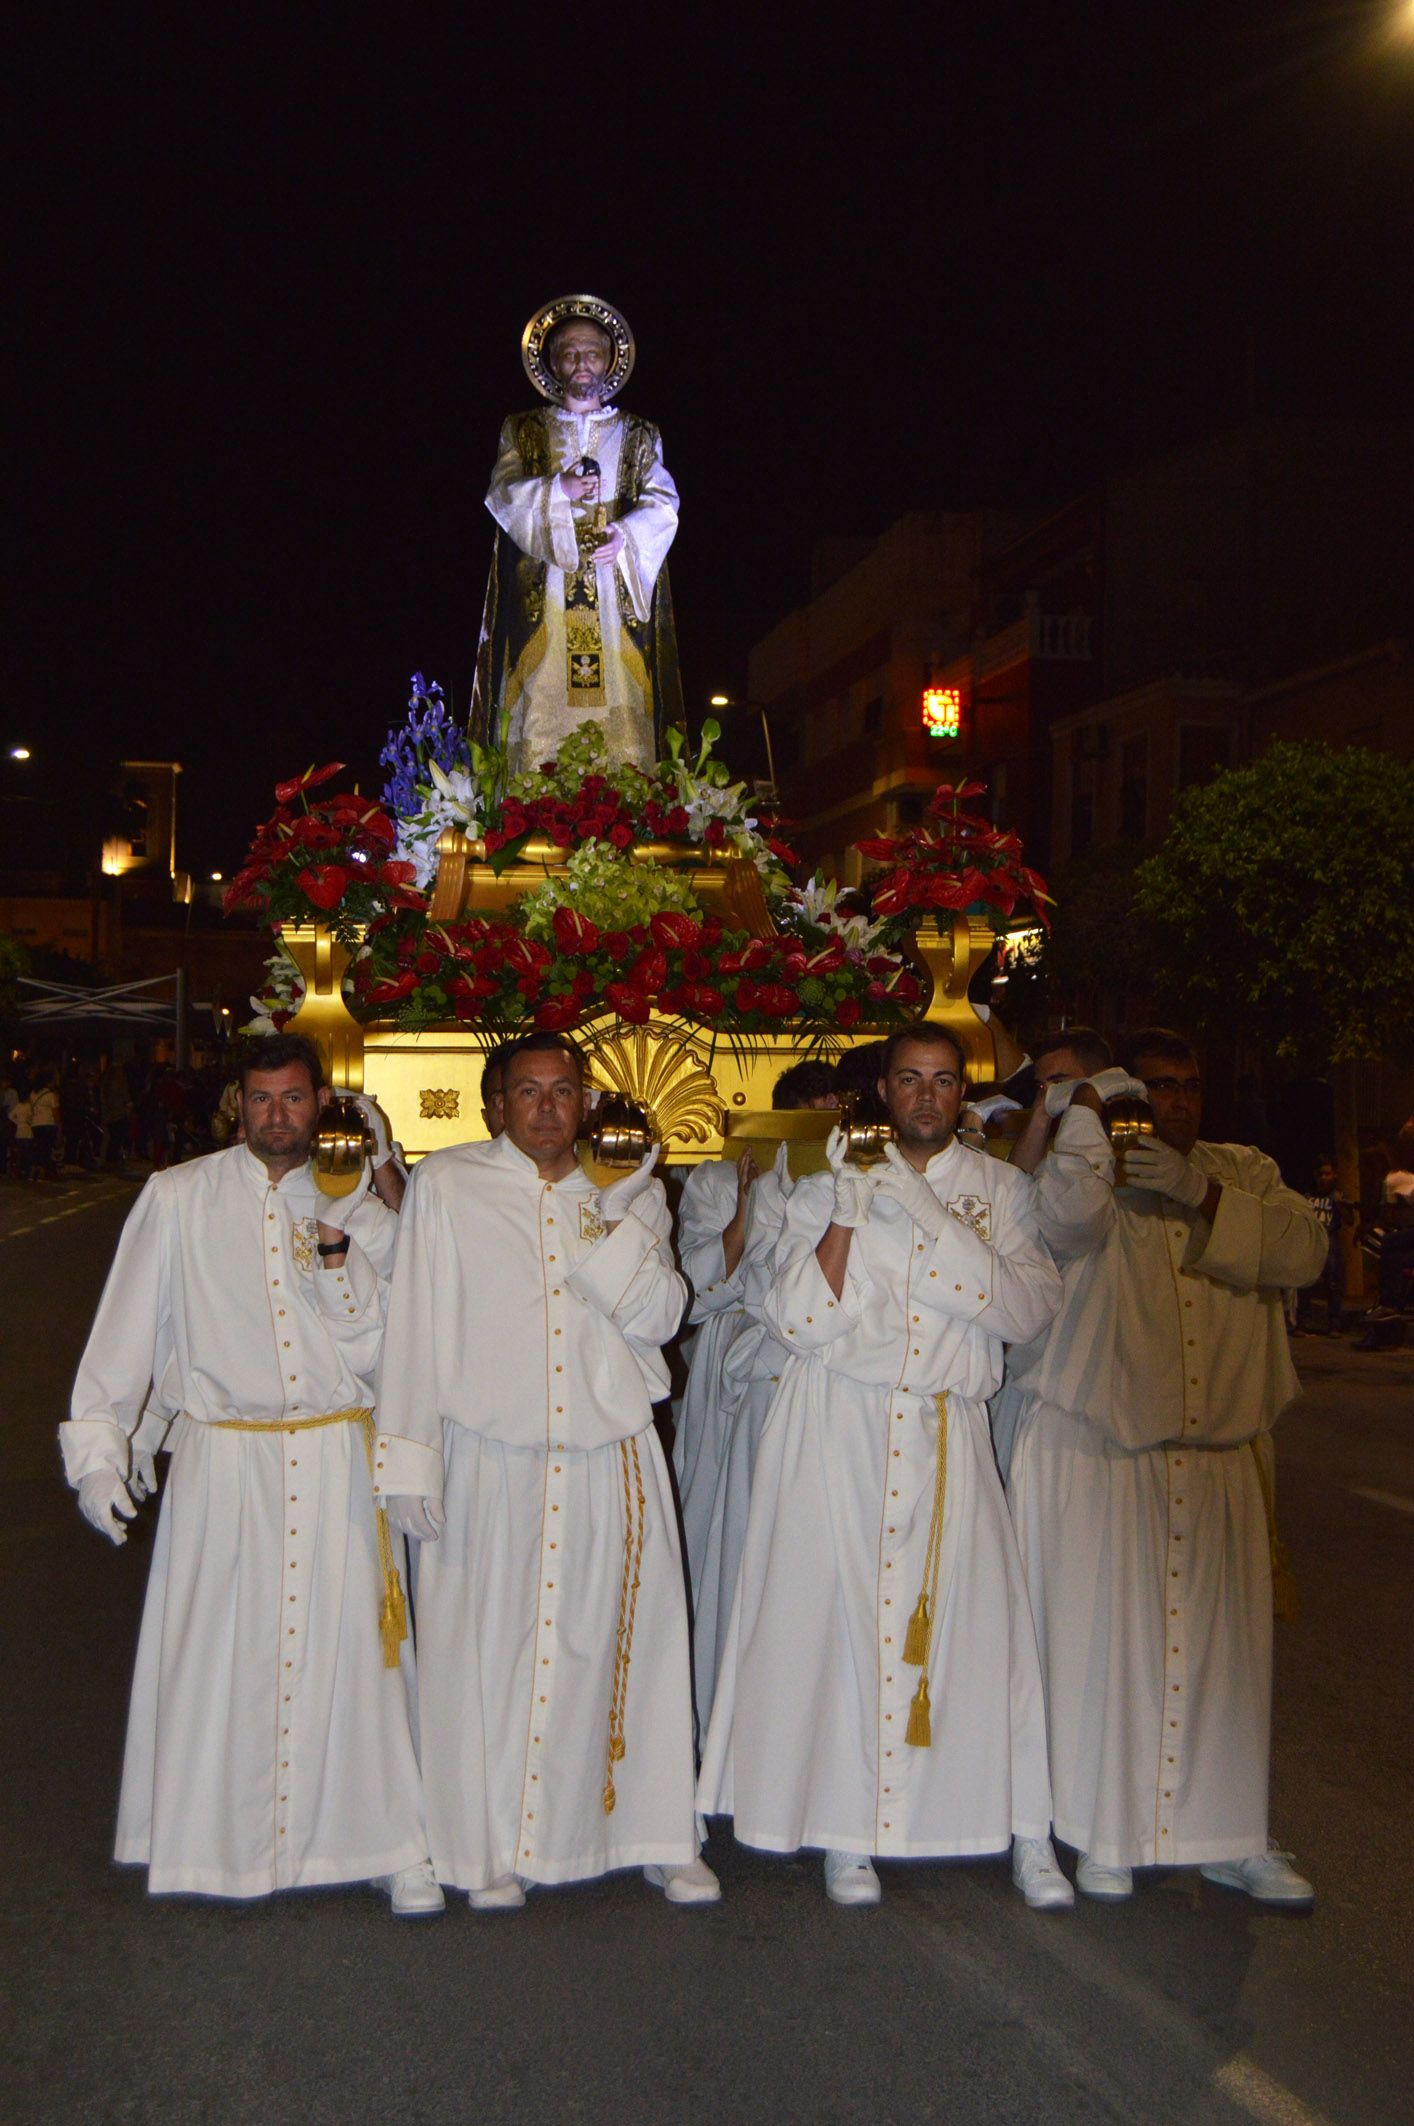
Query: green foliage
{"points": [[609, 888], [1281, 904]]}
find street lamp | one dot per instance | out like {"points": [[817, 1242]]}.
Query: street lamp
{"points": [[19, 753], [217, 876], [725, 701]]}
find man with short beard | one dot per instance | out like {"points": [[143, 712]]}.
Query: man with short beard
{"points": [[578, 621], [1141, 1478], [524, 1355], [269, 1741], [880, 1691]]}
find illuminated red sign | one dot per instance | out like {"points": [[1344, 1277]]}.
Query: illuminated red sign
{"points": [[942, 711]]}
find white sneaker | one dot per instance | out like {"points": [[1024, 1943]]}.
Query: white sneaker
{"points": [[1111, 1884], [415, 1892], [1036, 1873], [685, 1882], [506, 1894], [850, 1879], [1268, 1877]]}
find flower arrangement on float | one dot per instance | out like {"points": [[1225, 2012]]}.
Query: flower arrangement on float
{"points": [[603, 934]]}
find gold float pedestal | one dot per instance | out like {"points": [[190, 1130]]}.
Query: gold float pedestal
{"points": [[703, 1091]]}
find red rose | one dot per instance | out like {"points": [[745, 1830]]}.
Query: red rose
{"points": [[669, 929], [621, 836], [324, 884], [716, 834], [556, 1013], [847, 1013], [676, 823], [574, 932], [631, 1004], [427, 961]]}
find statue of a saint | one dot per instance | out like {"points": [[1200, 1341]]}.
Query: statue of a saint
{"points": [[578, 621]]}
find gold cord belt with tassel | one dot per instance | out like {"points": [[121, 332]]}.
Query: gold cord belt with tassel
{"points": [[634, 1504], [918, 1641], [393, 1617]]}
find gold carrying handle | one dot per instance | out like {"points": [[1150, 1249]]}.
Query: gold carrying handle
{"points": [[1127, 1121]]}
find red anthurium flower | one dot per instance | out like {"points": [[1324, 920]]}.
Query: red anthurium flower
{"points": [[525, 956], [554, 1014], [631, 1004], [397, 871], [827, 959], [574, 932], [670, 928], [847, 1013], [324, 884], [286, 792], [649, 971], [393, 990]]}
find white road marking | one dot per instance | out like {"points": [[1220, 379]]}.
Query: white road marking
{"points": [[1242, 2082], [1382, 1498]]}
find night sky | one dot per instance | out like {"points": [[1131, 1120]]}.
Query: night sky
{"points": [[270, 274]]}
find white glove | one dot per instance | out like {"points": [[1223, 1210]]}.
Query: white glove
{"points": [[854, 1188], [1060, 1095], [993, 1104], [1151, 1164], [422, 1519], [780, 1167], [1118, 1085], [377, 1129], [620, 1196], [904, 1185], [142, 1477], [104, 1502]]}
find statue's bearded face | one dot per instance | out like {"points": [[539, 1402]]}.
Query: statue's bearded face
{"points": [[579, 355]]}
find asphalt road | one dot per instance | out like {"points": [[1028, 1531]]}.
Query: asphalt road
{"points": [[950, 2002]]}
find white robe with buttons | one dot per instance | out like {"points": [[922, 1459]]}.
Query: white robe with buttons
{"points": [[704, 1418], [1137, 1419], [522, 1360], [751, 1366], [807, 1740], [268, 1747]]}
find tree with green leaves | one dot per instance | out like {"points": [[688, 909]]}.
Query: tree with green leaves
{"points": [[1280, 905]]}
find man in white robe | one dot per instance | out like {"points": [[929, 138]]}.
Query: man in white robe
{"points": [[269, 1740], [578, 620], [524, 1354], [729, 1221], [880, 1692], [1141, 1483]]}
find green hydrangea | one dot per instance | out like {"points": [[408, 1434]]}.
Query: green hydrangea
{"points": [[609, 888]]}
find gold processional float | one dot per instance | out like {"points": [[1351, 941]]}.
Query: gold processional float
{"points": [[704, 1094]]}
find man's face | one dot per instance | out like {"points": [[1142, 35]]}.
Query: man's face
{"points": [[579, 357], [544, 1105], [1325, 1178], [1058, 1066], [279, 1110], [922, 1093], [822, 1100], [1175, 1098], [493, 1112]]}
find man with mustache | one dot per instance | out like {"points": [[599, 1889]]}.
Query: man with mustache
{"points": [[578, 621], [880, 1692], [269, 1739]]}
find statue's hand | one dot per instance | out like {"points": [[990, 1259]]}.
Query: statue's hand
{"points": [[579, 486], [607, 552]]}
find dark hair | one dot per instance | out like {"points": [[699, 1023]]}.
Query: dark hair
{"points": [[561, 327], [858, 1069], [494, 1066], [931, 1035], [1160, 1041], [804, 1082], [1087, 1046], [543, 1043], [276, 1051]]}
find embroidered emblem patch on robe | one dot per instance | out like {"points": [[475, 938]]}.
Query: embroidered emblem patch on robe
{"points": [[591, 1225], [975, 1212]]}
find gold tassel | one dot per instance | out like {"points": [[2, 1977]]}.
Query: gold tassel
{"points": [[393, 1619], [610, 1797], [916, 1638], [1286, 1596], [920, 1723]]}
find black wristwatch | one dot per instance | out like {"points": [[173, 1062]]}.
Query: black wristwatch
{"points": [[332, 1247]]}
